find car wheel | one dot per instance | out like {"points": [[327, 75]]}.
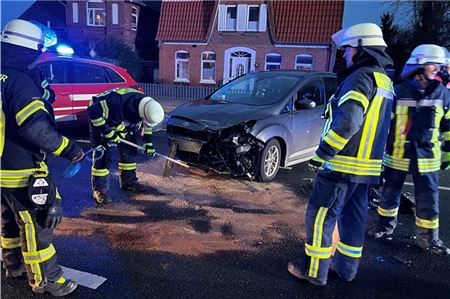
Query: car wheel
{"points": [[269, 161]]}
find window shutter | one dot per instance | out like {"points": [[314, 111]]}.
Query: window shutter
{"points": [[115, 13], [241, 17], [75, 12], [222, 18], [263, 17]]}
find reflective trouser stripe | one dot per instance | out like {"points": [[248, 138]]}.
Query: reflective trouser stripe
{"points": [[351, 251], [318, 252], [430, 224], [30, 235], [40, 256], [10, 243], [127, 166], [100, 172], [388, 213], [317, 241]]}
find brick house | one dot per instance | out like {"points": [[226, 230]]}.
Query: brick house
{"points": [[210, 42], [89, 21]]}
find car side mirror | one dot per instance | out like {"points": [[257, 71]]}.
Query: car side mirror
{"points": [[304, 104]]}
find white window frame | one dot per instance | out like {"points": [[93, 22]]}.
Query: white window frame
{"points": [[208, 81], [115, 13], [75, 13], [94, 12], [134, 15], [248, 18], [176, 66], [272, 63], [226, 18], [305, 66]]}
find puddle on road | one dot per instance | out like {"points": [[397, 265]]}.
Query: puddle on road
{"points": [[194, 214]]}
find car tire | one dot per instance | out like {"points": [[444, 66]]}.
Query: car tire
{"points": [[269, 161]]}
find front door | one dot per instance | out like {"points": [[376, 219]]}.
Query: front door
{"points": [[239, 66]]}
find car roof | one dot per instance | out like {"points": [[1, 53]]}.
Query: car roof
{"points": [[298, 73], [53, 57]]}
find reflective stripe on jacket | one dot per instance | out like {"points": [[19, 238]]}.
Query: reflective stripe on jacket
{"points": [[357, 125], [420, 127]]}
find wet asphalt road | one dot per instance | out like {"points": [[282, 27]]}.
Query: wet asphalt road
{"points": [[231, 274]]}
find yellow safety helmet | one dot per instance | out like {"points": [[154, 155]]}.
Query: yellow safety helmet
{"points": [[359, 35]]}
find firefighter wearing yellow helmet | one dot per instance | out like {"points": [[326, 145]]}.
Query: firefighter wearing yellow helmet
{"points": [[349, 157], [31, 205], [418, 144], [115, 114]]}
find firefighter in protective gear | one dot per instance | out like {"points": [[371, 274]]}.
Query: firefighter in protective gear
{"points": [[444, 75], [108, 113], [418, 144], [27, 135], [349, 157]]}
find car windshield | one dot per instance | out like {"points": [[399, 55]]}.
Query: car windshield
{"points": [[258, 88]]}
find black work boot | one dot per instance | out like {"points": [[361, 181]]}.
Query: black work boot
{"points": [[59, 288], [295, 269], [135, 187], [380, 232], [13, 273], [102, 198], [438, 248]]}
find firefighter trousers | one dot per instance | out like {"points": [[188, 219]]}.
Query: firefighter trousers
{"points": [[127, 161], [427, 202], [25, 239], [331, 202]]}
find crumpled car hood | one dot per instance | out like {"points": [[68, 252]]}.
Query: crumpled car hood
{"points": [[218, 115]]}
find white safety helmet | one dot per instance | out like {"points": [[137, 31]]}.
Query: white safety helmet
{"points": [[427, 54], [151, 111], [359, 35], [31, 35]]}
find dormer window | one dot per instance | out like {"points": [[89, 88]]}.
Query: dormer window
{"points": [[253, 18], [231, 17]]}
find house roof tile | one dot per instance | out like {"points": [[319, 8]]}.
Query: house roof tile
{"points": [[185, 20], [290, 21], [305, 21]]}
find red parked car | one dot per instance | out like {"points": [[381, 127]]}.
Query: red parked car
{"points": [[76, 80]]}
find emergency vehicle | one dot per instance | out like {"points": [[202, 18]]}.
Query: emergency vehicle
{"points": [[76, 80]]}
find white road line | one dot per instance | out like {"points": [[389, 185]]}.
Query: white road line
{"points": [[84, 279], [440, 187]]}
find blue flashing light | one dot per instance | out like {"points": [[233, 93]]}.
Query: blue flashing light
{"points": [[64, 50]]}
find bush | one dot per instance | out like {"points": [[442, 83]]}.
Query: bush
{"points": [[115, 51]]}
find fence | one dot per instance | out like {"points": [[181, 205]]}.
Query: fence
{"points": [[177, 92]]}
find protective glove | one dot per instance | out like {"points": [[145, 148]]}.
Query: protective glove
{"points": [[445, 162], [54, 214], [316, 163], [112, 136], [149, 149]]}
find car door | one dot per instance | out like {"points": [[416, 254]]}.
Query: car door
{"points": [[57, 73], [307, 124]]}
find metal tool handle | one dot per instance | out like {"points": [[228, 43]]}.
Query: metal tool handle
{"points": [[157, 154]]}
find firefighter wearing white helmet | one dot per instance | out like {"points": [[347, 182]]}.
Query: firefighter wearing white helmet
{"points": [[444, 74], [418, 144], [30, 201], [348, 158], [121, 113]]}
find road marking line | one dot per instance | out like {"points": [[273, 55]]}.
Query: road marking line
{"points": [[84, 279], [440, 187]]}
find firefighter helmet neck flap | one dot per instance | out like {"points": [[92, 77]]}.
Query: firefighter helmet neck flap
{"points": [[150, 111]]}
